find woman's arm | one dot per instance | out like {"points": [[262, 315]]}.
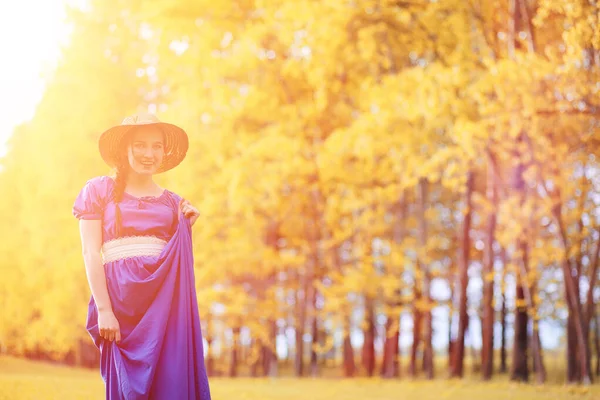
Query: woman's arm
{"points": [[91, 241]]}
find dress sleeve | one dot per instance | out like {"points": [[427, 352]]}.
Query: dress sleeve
{"points": [[176, 199], [92, 199]]}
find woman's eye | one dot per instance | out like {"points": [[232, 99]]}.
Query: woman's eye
{"points": [[158, 146], [139, 145]]}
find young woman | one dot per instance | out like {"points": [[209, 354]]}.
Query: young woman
{"points": [[137, 250]]}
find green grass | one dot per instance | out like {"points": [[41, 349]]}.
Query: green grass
{"points": [[21, 379]]}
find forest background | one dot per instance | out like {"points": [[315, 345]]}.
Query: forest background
{"points": [[381, 183]]}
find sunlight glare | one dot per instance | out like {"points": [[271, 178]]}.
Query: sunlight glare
{"points": [[31, 32]]}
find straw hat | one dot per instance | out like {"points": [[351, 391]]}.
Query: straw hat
{"points": [[176, 140]]}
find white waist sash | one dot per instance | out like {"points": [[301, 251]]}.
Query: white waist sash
{"points": [[131, 246]]}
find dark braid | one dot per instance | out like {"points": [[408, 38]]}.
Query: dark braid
{"points": [[120, 178], [120, 184]]}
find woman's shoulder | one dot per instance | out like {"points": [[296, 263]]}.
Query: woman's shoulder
{"points": [[173, 195], [90, 202], [101, 183], [102, 180], [101, 186]]}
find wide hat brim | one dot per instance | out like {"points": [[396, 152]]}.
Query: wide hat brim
{"points": [[176, 144]]}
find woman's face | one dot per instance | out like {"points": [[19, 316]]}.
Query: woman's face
{"points": [[146, 150]]}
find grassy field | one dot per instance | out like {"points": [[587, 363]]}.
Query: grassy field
{"points": [[20, 379]]}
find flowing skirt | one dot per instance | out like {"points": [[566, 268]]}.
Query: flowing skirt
{"points": [[161, 354]]}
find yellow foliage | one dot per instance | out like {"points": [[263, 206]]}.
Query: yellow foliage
{"points": [[312, 125]]}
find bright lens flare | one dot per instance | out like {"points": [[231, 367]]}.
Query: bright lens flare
{"points": [[31, 32]]}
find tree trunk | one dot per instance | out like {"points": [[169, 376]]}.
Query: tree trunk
{"points": [[589, 311], [269, 352], [428, 366], [575, 309], [301, 301], [417, 317], [528, 292], [597, 342], [487, 349], [306, 305], [255, 352], [459, 347], [503, 367], [451, 344], [573, 371], [314, 367], [536, 344], [519, 368], [233, 360], [348, 364], [368, 351], [389, 367], [348, 355], [538, 359], [269, 355], [315, 273]]}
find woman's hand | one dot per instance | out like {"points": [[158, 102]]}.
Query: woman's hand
{"points": [[188, 210], [109, 326]]}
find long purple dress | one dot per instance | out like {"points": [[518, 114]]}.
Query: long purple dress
{"points": [[160, 355]]}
